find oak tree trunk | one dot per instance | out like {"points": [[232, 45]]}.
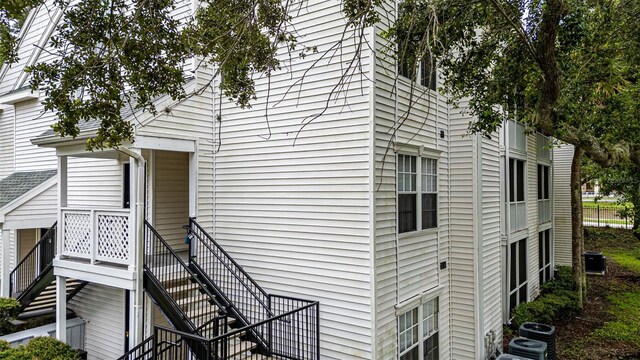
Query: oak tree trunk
{"points": [[577, 237]]}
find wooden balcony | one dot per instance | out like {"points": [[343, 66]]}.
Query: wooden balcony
{"points": [[96, 245]]}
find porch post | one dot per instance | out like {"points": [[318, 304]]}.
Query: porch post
{"points": [[193, 183], [6, 245], [61, 308], [62, 201], [133, 226], [137, 243]]}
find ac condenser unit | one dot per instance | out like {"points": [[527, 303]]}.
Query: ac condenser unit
{"points": [[509, 357], [542, 332], [595, 263], [527, 348]]}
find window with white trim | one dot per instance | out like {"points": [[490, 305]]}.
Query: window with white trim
{"points": [[421, 71], [417, 182], [544, 256], [516, 196], [518, 284], [418, 332], [543, 182]]}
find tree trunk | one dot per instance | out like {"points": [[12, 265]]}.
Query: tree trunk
{"points": [[577, 233]]}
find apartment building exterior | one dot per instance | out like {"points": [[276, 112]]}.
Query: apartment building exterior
{"points": [[391, 229]]}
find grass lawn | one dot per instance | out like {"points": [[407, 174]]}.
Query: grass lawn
{"points": [[609, 327]]}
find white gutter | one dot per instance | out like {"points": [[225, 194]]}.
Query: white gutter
{"points": [[136, 336]]}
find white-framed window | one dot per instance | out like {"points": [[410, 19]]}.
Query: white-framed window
{"points": [[543, 182], [517, 136], [518, 284], [423, 74], [516, 196], [418, 332], [544, 256], [417, 181], [544, 147]]}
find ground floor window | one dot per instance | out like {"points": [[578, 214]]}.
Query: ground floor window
{"points": [[517, 273], [418, 332], [544, 256]]}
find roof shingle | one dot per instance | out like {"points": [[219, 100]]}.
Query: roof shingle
{"points": [[19, 183]]}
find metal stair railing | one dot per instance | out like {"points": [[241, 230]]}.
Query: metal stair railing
{"points": [[34, 265], [175, 289], [244, 297]]}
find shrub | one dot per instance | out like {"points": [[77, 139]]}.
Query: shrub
{"points": [[9, 309], [558, 300], [48, 348], [40, 348]]}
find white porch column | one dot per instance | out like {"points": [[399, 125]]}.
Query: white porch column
{"points": [[62, 201], [137, 296], [61, 308], [6, 254], [193, 183]]}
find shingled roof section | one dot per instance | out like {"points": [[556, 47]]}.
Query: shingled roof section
{"points": [[19, 183]]}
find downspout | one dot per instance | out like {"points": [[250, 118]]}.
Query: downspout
{"points": [[372, 186], [139, 245]]}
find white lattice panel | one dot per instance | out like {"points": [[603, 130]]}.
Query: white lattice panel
{"points": [[77, 234], [113, 238]]}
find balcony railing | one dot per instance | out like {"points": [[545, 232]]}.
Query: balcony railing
{"points": [[544, 211], [517, 215], [96, 235]]}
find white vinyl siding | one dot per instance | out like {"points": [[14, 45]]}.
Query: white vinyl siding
{"points": [[94, 183], [171, 197], [297, 217], [7, 148], [102, 308], [40, 211], [29, 124], [562, 158]]}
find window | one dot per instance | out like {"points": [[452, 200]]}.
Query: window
{"points": [[516, 180], [418, 332], [421, 69], [544, 256], [426, 69], [543, 182], [517, 137], [417, 195], [517, 273]]}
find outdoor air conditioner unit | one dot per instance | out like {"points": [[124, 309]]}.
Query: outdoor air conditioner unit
{"points": [[542, 332], [509, 357], [595, 263], [527, 348]]}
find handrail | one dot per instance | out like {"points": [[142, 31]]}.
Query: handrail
{"points": [[253, 282], [203, 287], [147, 347], [29, 258], [264, 293]]}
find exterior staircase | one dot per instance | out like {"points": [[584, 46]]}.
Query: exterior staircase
{"points": [[32, 281], [217, 310]]}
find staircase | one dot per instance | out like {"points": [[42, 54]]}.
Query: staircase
{"points": [[32, 281], [218, 311]]}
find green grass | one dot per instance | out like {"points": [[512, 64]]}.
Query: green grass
{"points": [[627, 258], [625, 307]]}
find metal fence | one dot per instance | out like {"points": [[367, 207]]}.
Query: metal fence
{"points": [[605, 215]]}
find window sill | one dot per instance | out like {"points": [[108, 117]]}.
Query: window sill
{"points": [[408, 82], [419, 233]]}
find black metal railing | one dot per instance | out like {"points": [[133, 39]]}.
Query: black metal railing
{"points": [[35, 263], [245, 298], [293, 334], [143, 351], [279, 325], [178, 291], [607, 215]]}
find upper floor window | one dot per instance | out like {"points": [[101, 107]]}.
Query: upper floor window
{"points": [[425, 69], [412, 65], [544, 147], [417, 193], [516, 180], [418, 332]]}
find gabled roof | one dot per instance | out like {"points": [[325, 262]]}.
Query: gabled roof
{"points": [[20, 183]]}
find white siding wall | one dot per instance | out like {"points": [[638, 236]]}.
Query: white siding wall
{"points": [[171, 208], [461, 262], [42, 206], [29, 124], [532, 214], [102, 308], [562, 158], [297, 217], [7, 149], [491, 186], [94, 183]]}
